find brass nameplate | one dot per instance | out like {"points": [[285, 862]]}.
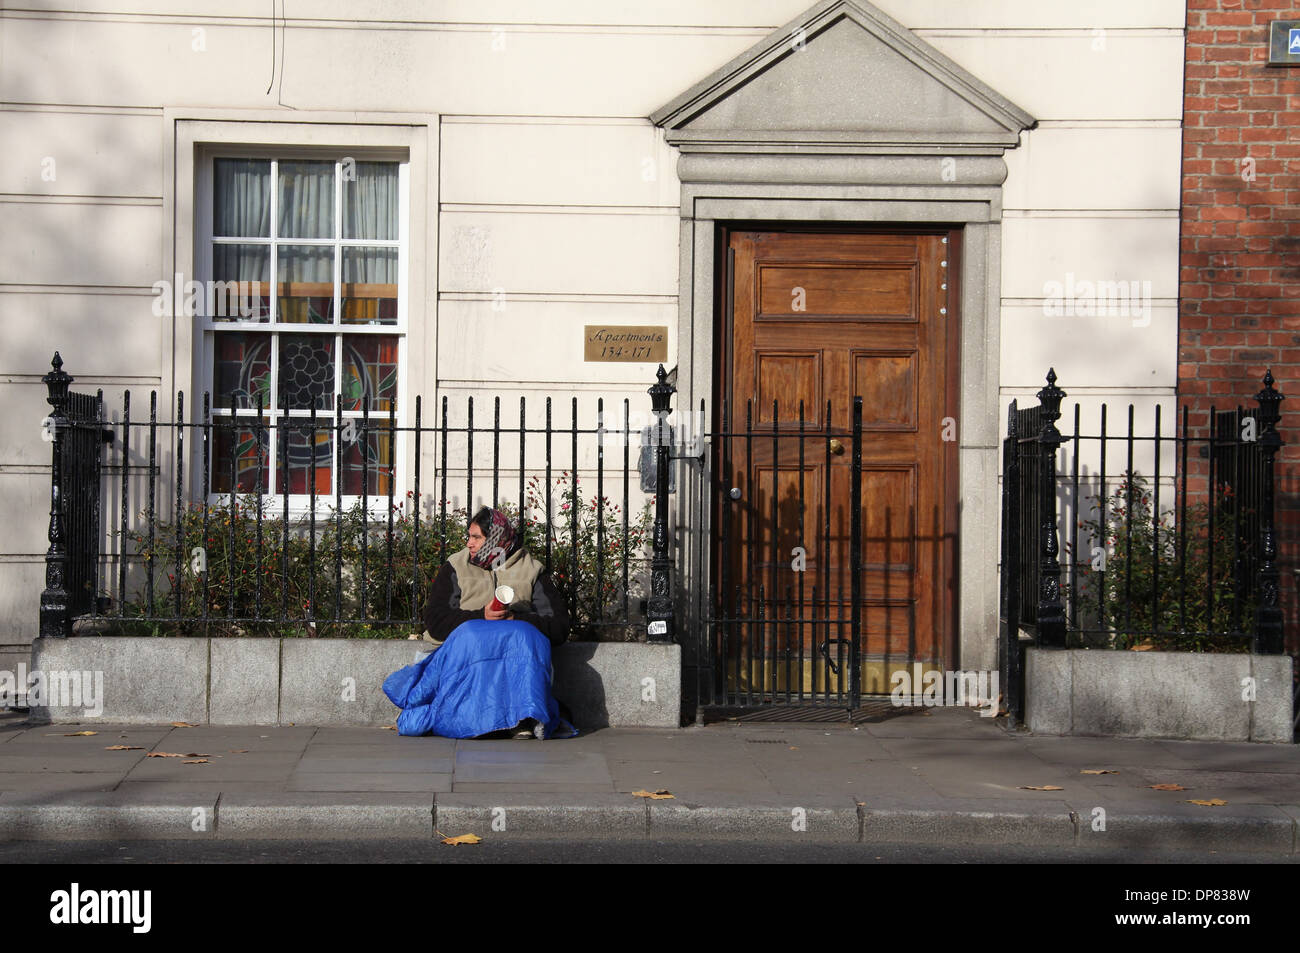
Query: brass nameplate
{"points": [[604, 342]]}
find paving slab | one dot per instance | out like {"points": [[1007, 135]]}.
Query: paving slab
{"points": [[334, 734], [522, 752], [316, 763], [1102, 752], [1236, 756], [971, 776], [1231, 786], [905, 749], [530, 787], [61, 761], [695, 777], [377, 783], [185, 787], [634, 750], [256, 739], [588, 769], [389, 744], [219, 771], [814, 750], [319, 815], [147, 735], [961, 723], [57, 783]]}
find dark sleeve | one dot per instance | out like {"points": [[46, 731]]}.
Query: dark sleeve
{"points": [[549, 612], [442, 611]]}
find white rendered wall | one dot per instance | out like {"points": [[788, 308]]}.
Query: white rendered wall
{"points": [[552, 192]]}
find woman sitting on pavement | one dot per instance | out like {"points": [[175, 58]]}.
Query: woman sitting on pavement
{"points": [[490, 672]]}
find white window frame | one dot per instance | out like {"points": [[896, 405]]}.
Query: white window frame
{"points": [[193, 136], [275, 329]]}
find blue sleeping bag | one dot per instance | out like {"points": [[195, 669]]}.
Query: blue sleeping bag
{"points": [[488, 676]]}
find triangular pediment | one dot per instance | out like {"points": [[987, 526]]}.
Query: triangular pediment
{"points": [[842, 75]]}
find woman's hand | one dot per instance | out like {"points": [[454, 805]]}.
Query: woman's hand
{"points": [[496, 614]]}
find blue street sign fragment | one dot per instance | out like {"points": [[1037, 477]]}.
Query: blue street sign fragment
{"points": [[1293, 44]]}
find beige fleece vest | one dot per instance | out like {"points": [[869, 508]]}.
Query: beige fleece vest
{"points": [[477, 585]]}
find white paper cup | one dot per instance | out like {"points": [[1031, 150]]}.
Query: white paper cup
{"points": [[502, 598]]}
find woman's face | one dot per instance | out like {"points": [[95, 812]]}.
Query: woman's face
{"points": [[476, 539]]}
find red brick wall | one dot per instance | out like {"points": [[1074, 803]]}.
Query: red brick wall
{"points": [[1239, 287]]}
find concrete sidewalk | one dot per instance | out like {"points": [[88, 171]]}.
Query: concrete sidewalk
{"points": [[939, 776]]}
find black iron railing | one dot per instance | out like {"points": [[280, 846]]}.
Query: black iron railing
{"points": [[1159, 552], [204, 540], [75, 428]]}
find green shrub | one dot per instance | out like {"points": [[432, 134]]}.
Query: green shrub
{"points": [[266, 579], [1153, 580]]}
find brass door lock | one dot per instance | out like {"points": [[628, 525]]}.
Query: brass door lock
{"points": [[837, 448]]}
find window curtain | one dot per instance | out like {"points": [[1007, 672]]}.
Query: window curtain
{"points": [[370, 212], [370, 201], [306, 200], [241, 209], [242, 199], [305, 209]]}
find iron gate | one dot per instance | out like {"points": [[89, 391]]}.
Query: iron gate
{"points": [[775, 622]]}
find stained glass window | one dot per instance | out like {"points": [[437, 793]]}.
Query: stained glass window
{"points": [[306, 262]]}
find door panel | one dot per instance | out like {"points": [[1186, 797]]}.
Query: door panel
{"points": [[820, 318]]}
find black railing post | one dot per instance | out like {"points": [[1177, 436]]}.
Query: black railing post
{"points": [[56, 615], [659, 609], [1268, 616], [1051, 611]]}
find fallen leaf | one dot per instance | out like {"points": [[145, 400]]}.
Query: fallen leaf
{"points": [[660, 795], [1166, 787], [794, 747], [238, 750], [1098, 771], [164, 754], [80, 734], [1044, 787], [198, 761], [124, 748], [387, 727], [197, 754], [1212, 802], [462, 839], [1144, 647], [183, 724]]}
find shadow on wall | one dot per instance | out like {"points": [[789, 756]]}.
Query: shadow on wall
{"points": [[580, 686]]}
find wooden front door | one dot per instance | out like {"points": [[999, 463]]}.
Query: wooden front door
{"points": [[822, 318]]}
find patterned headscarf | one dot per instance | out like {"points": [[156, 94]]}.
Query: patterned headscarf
{"points": [[498, 544]]}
